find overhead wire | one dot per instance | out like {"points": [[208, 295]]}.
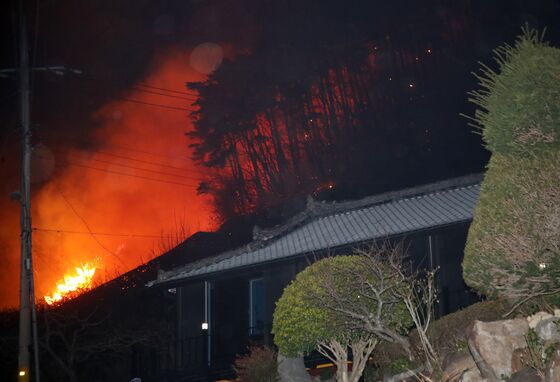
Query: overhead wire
{"points": [[127, 235], [130, 175], [163, 94], [67, 163], [143, 236], [155, 104], [125, 148], [140, 168], [140, 88], [87, 225], [45, 134], [162, 165], [167, 90]]}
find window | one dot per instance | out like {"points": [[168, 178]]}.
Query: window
{"points": [[256, 306]]}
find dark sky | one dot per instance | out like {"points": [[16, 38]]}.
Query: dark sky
{"points": [[83, 122]]}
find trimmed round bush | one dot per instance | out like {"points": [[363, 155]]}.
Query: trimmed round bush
{"points": [[302, 319], [513, 245], [519, 104]]}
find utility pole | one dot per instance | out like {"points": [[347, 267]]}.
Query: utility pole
{"points": [[27, 312]]}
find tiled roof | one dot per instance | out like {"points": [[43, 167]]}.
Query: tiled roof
{"points": [[348, 223]]}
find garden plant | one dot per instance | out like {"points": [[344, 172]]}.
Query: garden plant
{"points": [[513, 245]]}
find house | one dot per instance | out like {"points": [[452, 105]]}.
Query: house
{"points": [[226, 301]]}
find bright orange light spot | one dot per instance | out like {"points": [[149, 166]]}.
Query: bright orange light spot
{"points": [[78, 282]]}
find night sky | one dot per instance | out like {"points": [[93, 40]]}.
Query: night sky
{"points": [[111, 156]]}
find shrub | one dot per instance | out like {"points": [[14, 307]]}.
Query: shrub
{"points": [[538, 354], [448, 334], [327, 307], [513, 246], [259, 365], [518, 105]]}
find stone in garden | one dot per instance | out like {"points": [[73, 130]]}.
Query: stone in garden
{"points": [[553, 370], [517, 361], [526, 375], [547, 329], [472, 375], [492, 345], [455, 364], [536, 318]]}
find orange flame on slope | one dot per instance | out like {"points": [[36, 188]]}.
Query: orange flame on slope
{"points": [[72, 284], [120, 205], [132, 218]]}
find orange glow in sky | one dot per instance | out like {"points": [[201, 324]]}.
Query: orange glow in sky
{"points": [[127, 199]]}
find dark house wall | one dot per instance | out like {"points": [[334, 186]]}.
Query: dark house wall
{"points": [[230, 316], [448, 248], [230, 291]]}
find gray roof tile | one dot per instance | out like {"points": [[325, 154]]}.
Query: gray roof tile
{"points": [[341, 228]]}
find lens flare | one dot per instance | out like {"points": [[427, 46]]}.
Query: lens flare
{"points": [[73, 284]]}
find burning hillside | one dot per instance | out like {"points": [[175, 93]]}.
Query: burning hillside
{"points": [[130, 196], [73, 283], [120, 196]]}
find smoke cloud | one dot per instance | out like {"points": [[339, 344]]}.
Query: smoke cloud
{"points": [[123, 201]]}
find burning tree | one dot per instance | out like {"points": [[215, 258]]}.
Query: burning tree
{"points": [[287, 122]]}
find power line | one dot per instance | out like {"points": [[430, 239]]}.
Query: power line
{"points": [[143, 169], [129, 175], [139, 87], [149, 162], [143, 236], [174, 157], [125, 148], [58, 147], [87, 225], [163, 94], [139, 101], [129, 235], [166, 90], [143, 161], [155, 104]]}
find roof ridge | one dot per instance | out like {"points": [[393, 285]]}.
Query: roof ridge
{"points": [[321, 209]]}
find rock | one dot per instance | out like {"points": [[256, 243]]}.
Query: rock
{"points": [[556, 312], [526, 375], [455, 364], [472, 375], [547, 329], [536, 318], [552, 373], [292, 369], [492, 344], [517, 362]]}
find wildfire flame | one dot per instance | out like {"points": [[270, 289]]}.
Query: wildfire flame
{"points": [[72, 283]]}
